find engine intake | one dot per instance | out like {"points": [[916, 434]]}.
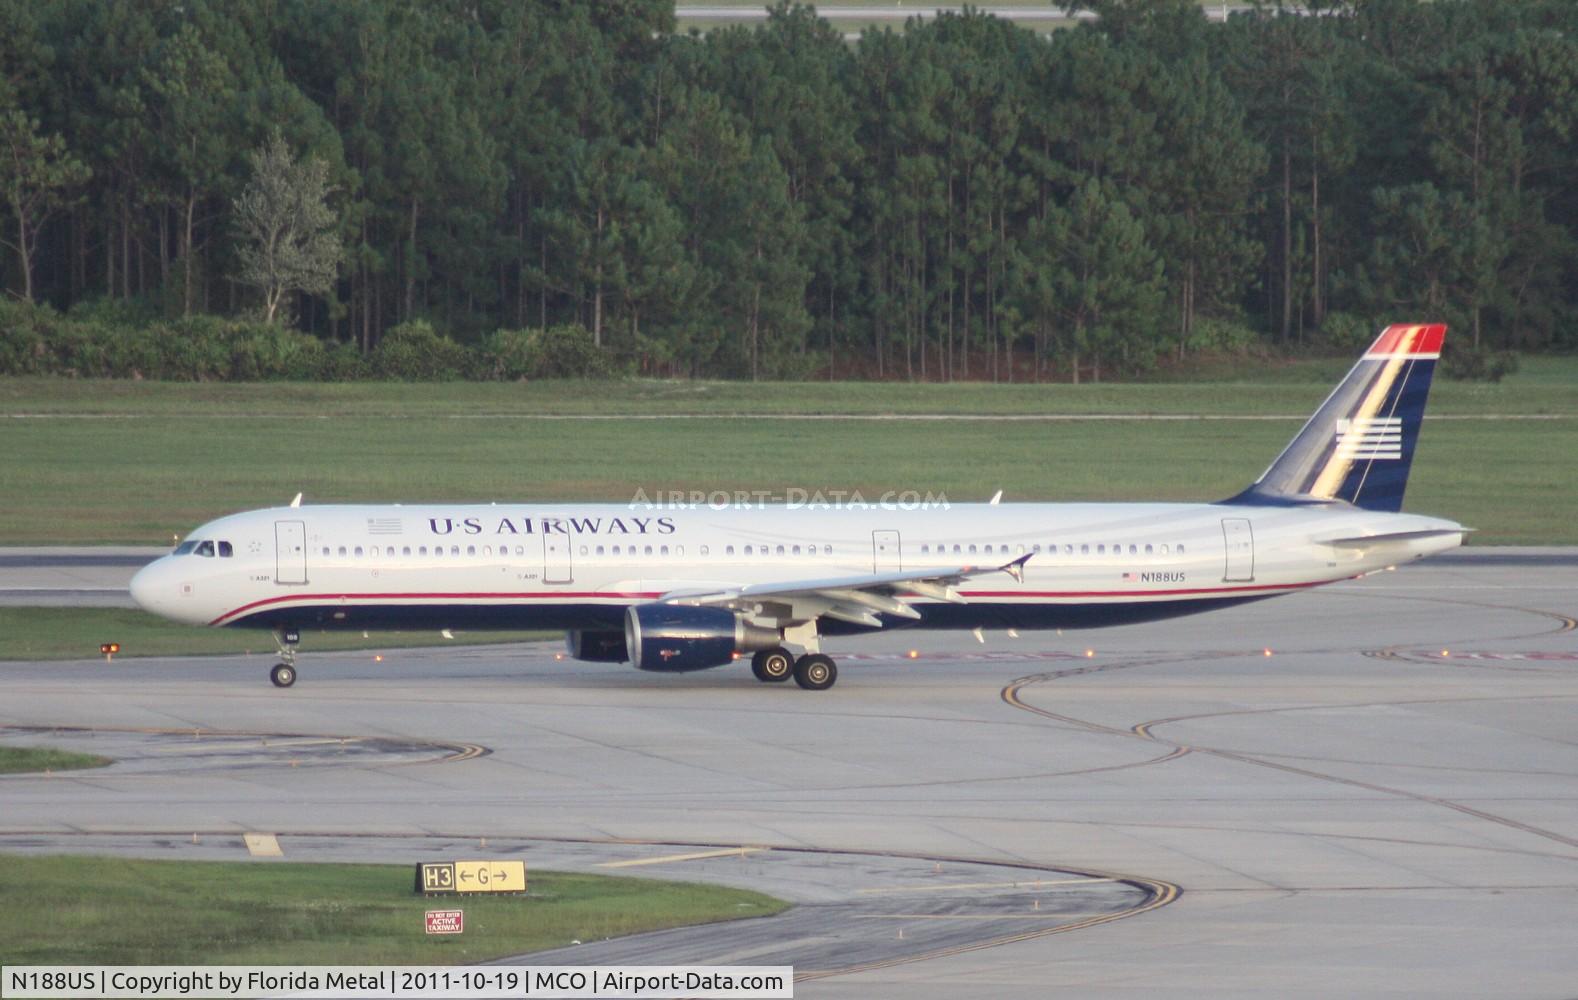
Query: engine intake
{"points": [[596, 647], [672, 637]]}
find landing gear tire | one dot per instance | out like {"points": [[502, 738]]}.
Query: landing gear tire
{"points": [[283, 675], [773, 665], [815, 672]]}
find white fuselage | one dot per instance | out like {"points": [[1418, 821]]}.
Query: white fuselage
{"points": [[579, 566]]}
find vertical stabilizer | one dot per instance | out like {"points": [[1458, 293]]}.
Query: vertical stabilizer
{"points": [[1359, 445]]}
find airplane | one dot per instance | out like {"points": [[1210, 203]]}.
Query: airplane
{"points": [[681, 587]]}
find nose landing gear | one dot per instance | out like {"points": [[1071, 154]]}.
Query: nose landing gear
{"points": [[284, 673]]}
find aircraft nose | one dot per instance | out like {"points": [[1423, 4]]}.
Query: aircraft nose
{"points": [[144, 586]]}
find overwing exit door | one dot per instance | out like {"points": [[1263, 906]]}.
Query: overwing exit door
{"points": [[885, 554]]}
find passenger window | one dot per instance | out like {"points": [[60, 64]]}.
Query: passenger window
{"points": [[679, 550], [421, 550], [438, 552], [1084, 549], [358, 551], [405, 550], [1036, 547], [647, 550], [827, 550], [1101, 550], [747, 550], [972, 550], [454, 550], [520, 550], [599, 550], [663, 550], [1147, 549], [487, 550], [780, 550], [325, 550], [342, 551], [1180, 549], [471, 550], [1164, 548], [1133, 551], [583, 550], [728, 550], [796, 550], [703, 550]]}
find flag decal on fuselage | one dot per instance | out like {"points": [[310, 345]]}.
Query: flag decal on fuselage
{"points": [[1370, 438]]}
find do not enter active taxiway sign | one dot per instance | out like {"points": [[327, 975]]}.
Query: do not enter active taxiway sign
{"points": [[446, 921]]}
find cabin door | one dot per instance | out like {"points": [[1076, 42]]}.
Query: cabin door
{"points": [[556, 558], [290, 553], [1239, 539]]}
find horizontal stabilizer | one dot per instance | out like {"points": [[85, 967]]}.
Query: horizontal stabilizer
{"points": [[1368, 541]]}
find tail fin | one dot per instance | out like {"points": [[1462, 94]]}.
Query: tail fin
{"points": [[1358, 446]]}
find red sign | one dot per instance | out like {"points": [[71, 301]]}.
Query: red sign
{"points": [[446, 921]]}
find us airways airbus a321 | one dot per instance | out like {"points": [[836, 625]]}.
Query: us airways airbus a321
{"points": [[689, 588]]}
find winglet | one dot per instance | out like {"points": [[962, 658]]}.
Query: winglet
{"points": [[1016, 569]]}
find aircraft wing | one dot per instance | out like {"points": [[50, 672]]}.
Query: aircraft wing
{"points": [[856, 599]]}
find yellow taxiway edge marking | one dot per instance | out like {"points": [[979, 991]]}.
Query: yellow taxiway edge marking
{"points": [[727, 852], [263, 845], [950, 886]]}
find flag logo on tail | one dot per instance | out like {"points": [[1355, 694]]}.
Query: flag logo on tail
{"points": [[1370, 438]]}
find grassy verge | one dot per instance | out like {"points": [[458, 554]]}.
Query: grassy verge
{"points": [[175, 455], [115, 911], [76, 633], [25, 760], [1543, 384]]}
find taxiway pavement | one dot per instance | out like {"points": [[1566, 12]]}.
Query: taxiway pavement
{"points": [[1386, 804]]}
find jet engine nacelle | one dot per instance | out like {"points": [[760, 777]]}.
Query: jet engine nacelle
{"points": [[596, 646], [673, 637]]}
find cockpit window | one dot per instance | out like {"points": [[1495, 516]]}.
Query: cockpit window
{"points": [[225, 551], [205, 549], [184, 548]]}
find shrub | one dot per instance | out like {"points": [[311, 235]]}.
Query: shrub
{"points": [[414, 352], [508, 355], [1221, 336], [567, 351], [1468, 363], [1345, 333]]}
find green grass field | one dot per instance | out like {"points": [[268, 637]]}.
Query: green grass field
{"points": [[25, 760], [141, 463], [77, 633], [118, 911]]}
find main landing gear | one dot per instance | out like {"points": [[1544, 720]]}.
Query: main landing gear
{"points": [[284, 673], [813, 671]]}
